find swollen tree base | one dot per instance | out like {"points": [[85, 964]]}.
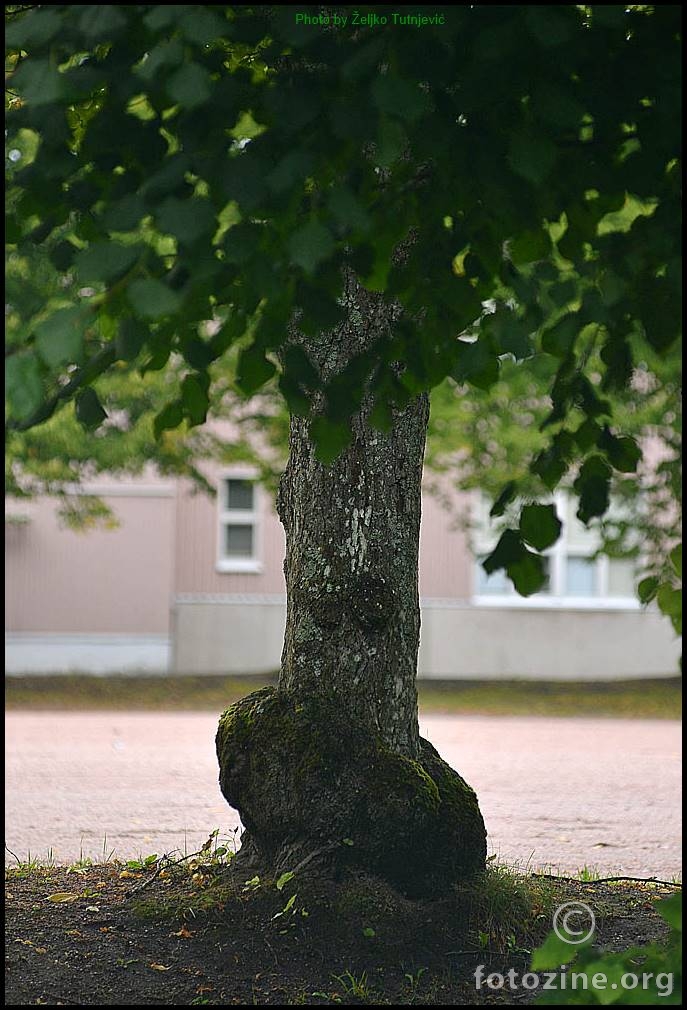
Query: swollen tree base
{"points": [[312, 783]]}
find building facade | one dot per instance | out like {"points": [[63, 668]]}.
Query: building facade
{"points": [[191, 585]]}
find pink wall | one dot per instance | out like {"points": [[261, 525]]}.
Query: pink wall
{"points": [[445, 559], [125, 580], [102, 581], [197, 549]]}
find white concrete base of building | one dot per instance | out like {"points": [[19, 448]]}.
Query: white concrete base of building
{"points": [[244, 634], [29, 653]]}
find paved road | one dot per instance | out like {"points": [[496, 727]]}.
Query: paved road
{"points": [[558, 793]]}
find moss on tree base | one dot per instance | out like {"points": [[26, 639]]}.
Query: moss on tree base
{"points": [[310, 780]]}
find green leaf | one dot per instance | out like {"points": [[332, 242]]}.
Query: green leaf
{"points": [[529, 246], [101, 21], [152, 299], [617, 356], [284, 879], [507, 551], [528, 573], [552, 953], [398, 97], [301, 367], [532, 156], [670, 910], [310, 245], [540, 526], [292, 169], [622, 452], [169, 417], [593, 488], [287, 907], [59, 339], [39, 82], [89, 410], [190, 86], [391, 142], [23, 386], [125, 214], [504, 499], [669, 601], [348, 211], [676, 560], [194, 397], [187, 220], [35, 28], [254, 370], [202, 26], [105, 261], [330, 438], [477, 364], [369, 932], [559, 338], [587, 435], [130, 339], [551, 26], [525, 569], [647, 588]]}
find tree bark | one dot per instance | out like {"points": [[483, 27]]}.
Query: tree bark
{"points": [[332, 761], [352, 540]]}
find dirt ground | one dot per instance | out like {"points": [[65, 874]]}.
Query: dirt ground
{"points": [[110, 935]]}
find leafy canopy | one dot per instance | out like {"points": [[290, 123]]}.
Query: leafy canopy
{"points": [[194, 163]]}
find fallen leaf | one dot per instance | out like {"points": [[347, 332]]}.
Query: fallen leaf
{"points": [[27, 943], [127, 875], [183, 932], [101, 884], [41, 950], [159, 967], [73, 932], [63, 897], [8, 895], [92, 908]]}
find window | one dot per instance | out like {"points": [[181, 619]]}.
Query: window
{"points": [[239, 525], [575, 578]]}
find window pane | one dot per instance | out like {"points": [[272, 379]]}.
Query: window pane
{"points": [[580, 577], [238, 541], [239, 494], [546, 588], [621, 577]]}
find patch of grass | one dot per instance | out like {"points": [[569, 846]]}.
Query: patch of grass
{"points": [[129, 693], [658, 698], [30, 867], [187, 902], [507, 910], [655, 698]]}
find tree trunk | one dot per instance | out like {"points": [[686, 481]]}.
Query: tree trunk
{"points": [[332, 763]]}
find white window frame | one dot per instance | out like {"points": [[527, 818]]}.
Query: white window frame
{"points": [[239, 517], [555, 598]]}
